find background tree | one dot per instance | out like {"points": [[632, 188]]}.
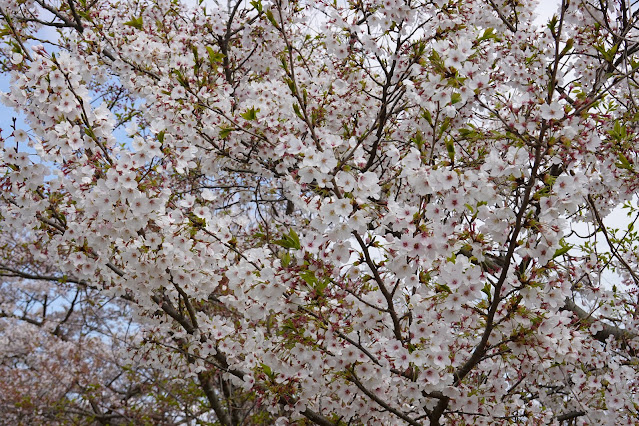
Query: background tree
{"points": [[321, 212]]}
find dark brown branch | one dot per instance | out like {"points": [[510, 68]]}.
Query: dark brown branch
{"points": [[381, 403], [502, 16], [480, 349], [67, 22], [187, 303], [13, 272], [209, 391], [58, 328], [570, 415], [165, 304], [7, 19], [318, 419], [610, 244], [607, 330], [76, 17], [382, 287]]}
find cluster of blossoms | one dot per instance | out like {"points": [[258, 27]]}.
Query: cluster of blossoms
{"points": [[348, 212]]}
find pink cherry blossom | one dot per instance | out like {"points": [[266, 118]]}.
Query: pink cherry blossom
{"points": [[552, 111], [269, 212]]}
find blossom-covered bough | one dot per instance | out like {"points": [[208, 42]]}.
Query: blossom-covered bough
{"points": [[355, 212]]}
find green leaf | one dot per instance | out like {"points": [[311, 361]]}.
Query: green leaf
{"points": [[310, 278], [443, 288], [321, 285], [289, 241], [436, 59], [286, 259], [563, 250], [135, 23], [612, 52], [180, 78], [89, 132], [445, 125], [450, 147], [257, 4], [467, 133], [250, 114], [295, 238], [195, 54], [418, 139], [291, 85], [225, 132], [623, 162], [214, 57], [267, 370], [553, 23], [542, 193], [271, 18], [607, 54], [161, 136], [313, 282], [569, 44], [619, 131], [486, 289], [454, 98], [489, 33], [428, 117]]}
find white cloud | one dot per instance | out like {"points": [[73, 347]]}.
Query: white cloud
{"points": [[545, 10]]}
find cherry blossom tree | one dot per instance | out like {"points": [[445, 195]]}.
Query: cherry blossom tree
{"points": [[318, 212]]}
